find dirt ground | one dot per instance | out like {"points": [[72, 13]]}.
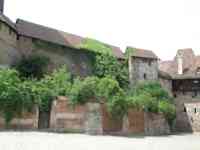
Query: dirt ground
{"points": [[53, 141]]}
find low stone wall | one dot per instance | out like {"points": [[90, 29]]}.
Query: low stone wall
{"points": [[28, 120], [80, 118], [110, 124], [193, 115], [134, 122], [155, 124], [91, 118], [139, 122], [66, 117]]}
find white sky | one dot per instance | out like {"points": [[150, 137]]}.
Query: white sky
{"points": [[160, 25]]}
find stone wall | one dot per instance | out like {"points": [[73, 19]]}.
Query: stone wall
{"points": [[155, 124], [183, 117], [133, 123], [66, 117], [193, 112], [79, 62], [8, 46], [80, 118], [28, 120], [166, 84], [139, 122], [143, 69], [110, 124]]}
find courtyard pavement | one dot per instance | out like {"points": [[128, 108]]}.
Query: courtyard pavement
{"points": [[52, 141]]}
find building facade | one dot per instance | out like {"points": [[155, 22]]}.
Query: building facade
{"points": [[185, 83], [143, 66], [23, 38]]}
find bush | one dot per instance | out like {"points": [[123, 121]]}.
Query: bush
{"points": [[143, 102], [83, 90], [34, 66], [109, 90], [15, 96], [56, 84], [151, 97], [105, 90], [168, 110], [153, 88], [108, 65]]}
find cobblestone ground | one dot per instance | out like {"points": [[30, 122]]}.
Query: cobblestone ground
{"points": [[51, 141]]}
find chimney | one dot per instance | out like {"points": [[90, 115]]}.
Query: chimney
{"points": [[1, 6], [180, 64]]}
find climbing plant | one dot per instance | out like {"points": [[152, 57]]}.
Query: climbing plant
{"points": [[33, 66], [15, 96], [96, 46], [107, 65], [151, 97]]}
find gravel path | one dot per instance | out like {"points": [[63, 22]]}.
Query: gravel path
{"points": [[51, 141]]}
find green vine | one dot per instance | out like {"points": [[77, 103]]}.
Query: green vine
{"points": [[96, 46]]}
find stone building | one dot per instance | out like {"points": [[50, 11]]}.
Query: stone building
{"points": [[24, 38], [185, 86], [143, 65]]}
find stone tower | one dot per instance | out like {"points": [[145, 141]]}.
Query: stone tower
{"points": [[1, 6], [143, 65]]}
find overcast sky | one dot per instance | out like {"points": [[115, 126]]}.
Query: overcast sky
{"points": [[159, 25]]}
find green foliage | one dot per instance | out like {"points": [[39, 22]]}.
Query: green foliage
{"points": [[168, 110], [105, 90], [129, 52], [39, 44], [96, 46], [144, 102], [53, 85], [14, 94], [107, 65], [153, 88], [151, 97], [83, 90], [34, 66]]}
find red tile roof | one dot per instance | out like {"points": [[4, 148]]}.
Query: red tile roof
{"points": [[55, 36], [137, 52]]}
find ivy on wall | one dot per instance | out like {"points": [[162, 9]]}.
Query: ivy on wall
{"points": [[33, 66], [95, 46]]}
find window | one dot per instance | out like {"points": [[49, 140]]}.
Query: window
{"points": [[1, 25], [17, 37], [194, 94], [10, 31], [175, 95], [198, 70], [195, 110], [145, 76], [149, 63], [184, 110]]}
